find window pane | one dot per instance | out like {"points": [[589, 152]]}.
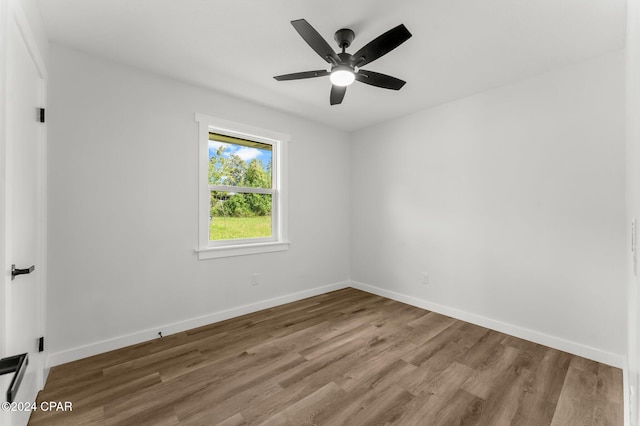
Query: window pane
{"points": [[239, 162], [237, 215]]}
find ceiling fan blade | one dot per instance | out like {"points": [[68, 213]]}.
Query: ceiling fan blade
{"points": [[315, 40], [379, 80], [381, 45], [337, 94], [301, 75]]}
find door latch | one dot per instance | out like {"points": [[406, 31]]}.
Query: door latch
{"points": [[15, 271]]}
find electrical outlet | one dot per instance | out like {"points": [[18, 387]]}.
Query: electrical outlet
{"points": [[255, 279], [425, 279]]}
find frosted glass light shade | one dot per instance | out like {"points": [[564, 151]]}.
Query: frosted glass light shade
{"points": [[342, 76]]}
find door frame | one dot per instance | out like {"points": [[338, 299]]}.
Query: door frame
{"points": [[632, 367], [11, 12]]}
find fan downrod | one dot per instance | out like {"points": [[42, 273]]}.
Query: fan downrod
{"points": [[344, 37]]}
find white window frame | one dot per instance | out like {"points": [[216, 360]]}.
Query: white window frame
{"points": [[279, 237]]}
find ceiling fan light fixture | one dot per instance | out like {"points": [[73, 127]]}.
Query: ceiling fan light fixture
{"points": [[342, 76], [345, 67]]}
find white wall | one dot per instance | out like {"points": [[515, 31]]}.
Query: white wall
{"points": [[37, 29], [512, 200], [633, 203], [123, 206]]}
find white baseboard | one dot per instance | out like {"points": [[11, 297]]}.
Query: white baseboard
{"points": [[513, 330], [107, 345], [96, 348]]}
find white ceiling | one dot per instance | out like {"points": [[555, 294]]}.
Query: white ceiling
{"points": [[459, 47]]}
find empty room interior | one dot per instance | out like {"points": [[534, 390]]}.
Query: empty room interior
{"points": [[420, 212]]}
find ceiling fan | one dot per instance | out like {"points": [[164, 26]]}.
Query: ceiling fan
{"points": [[346, 68]]}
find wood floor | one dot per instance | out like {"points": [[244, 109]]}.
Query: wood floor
{"points": [[342, 358]]}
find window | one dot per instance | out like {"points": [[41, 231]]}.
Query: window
{"points": [[242, 189]]}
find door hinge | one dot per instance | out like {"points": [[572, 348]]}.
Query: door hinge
{"points": [[41, 344], [42, 115]]}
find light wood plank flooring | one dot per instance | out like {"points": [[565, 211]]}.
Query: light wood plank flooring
{"points": [[342, 358]]}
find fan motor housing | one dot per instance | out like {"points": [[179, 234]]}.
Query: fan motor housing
{"points": [[345, 59]]}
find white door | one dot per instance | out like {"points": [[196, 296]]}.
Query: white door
{"points": [[23, 296]]}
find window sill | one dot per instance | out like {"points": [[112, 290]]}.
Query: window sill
{"points": [[241, 250]]}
